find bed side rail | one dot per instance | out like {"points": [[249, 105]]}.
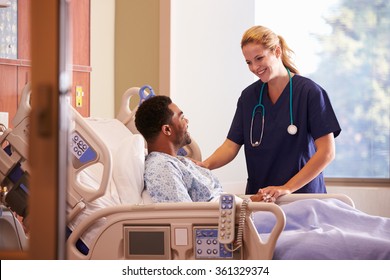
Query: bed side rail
{"points": [[177, 214], [86, 149]]}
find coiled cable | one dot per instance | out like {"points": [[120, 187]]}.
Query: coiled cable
{"points": [[241, 226]]}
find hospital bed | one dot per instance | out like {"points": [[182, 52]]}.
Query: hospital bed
{"points": [[139, 229], [110, 216]]}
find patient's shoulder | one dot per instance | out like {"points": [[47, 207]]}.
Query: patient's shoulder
{"points": [[156, 161]]}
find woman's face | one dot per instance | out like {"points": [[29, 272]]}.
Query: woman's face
{"points": [[261, 61]]}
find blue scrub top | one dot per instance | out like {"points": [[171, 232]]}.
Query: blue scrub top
{"points": [[280, 155]]}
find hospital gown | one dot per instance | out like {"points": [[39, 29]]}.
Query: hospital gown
{"points": [[178, 179]]}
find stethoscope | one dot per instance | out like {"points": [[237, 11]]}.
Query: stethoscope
{"points": [[291, 129]]}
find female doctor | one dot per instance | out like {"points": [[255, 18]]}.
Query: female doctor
{"points": [[285, 122]]}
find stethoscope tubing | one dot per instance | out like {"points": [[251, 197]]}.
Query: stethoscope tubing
{"points": [[291, 129]]}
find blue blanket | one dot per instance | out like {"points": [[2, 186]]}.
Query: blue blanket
{"points": [[327, 229]]}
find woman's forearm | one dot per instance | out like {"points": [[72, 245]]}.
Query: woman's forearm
{"points": [[324, 155], [223, 155]]}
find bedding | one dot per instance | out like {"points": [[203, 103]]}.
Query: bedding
{"points": [[327, 229]]}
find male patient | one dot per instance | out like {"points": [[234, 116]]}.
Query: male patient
{"points": [[169, 177]]}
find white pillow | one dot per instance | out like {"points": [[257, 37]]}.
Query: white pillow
{"points": [[128, 155], [128, 171]]}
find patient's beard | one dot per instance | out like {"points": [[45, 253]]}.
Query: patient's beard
{"points": [[187, 139]]}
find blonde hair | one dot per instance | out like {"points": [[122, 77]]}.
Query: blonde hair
{"points": [[266, 37]]}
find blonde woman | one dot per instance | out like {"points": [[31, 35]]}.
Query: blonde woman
{"points": [[285, 122]]}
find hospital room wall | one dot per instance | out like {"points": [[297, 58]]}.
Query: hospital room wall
{"points": [[137, 45], [102, 58], [208, 73], [124, 50], [372, 199]]}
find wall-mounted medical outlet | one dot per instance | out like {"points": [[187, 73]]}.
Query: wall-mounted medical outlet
{"points": [[79, 96]]}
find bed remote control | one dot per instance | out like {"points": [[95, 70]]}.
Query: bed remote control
{"points": [[226, 225]]}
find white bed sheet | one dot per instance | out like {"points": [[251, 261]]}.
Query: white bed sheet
{"points": [[327, 229]]}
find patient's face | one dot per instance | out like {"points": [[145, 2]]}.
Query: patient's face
{"points": [[179, 126]]}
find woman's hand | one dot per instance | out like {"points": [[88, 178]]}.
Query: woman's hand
{"points": [[270, 194], [199, 163]]}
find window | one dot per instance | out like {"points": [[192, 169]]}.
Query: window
{"points": [[9, 31], [344, 45]]}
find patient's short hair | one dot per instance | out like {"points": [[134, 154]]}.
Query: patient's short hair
{"points": [[151, 115]]}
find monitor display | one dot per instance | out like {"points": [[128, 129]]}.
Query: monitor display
{"points": [[147, 242]]}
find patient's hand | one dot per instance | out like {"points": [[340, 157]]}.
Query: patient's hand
{"points": [[262, 197], [270, 194]]}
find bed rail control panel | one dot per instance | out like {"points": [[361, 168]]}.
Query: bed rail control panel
{"points": [[227, 210], [82, 151], [208, 246], [143, 242]]}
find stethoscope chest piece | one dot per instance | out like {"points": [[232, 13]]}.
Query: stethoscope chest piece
{"points": [[292, 129]]}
